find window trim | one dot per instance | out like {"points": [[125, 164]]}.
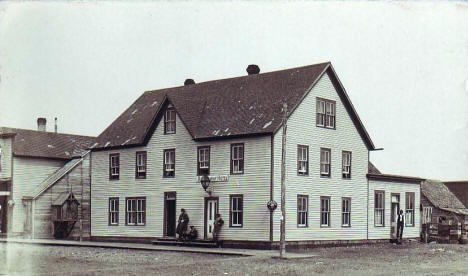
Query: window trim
{"points": [[343, 153], [111, 175], [136, 211], [349, 212], [383, 207], [164, 163], [109, 211], [329, 163], [318, 100], [328, 211], [306, 197], [301, 147], [243, 158], [198, 160], [413, 210], [241, 196], [170, 107], [141, 175]]}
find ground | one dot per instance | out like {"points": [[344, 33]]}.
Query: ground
{"points": [[378, 259]]}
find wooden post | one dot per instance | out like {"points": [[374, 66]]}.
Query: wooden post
{"points": [[283, 184]]}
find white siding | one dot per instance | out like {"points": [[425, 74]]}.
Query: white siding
{"points": [[302, 130], [393, 188], [5, 159], [254, 184]]}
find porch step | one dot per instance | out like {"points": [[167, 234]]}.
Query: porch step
{"points": [[174, 242]]}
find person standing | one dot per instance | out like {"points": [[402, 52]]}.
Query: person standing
{"points": [[400, 224], [182, 224], [218, 223]]}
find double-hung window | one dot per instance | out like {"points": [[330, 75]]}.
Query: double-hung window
{"points": [[302, 160], [169, 163], [237, 158], [324, 211], [114, 211], [140, 166], [325, 162], [203, 163], [135, 211], [346, 212], [409, 213], [379, 208], [114, 166], [169, 120], [346, 166], [326, 113], [302, 210], [236, 211]]}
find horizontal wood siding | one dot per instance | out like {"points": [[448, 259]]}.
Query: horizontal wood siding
{"points": [[393, 188], [5, 160], [302, 130], [253, 184]]}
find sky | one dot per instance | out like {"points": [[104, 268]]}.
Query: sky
{"points": [[403, 64]]}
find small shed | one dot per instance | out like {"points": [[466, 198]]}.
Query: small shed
{"points": [[64, 214]]}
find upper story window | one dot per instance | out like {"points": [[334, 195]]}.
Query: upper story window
{"points": [[302, 160], [326, 113], [140, 169], [302, 210], [346, 164], [203, 163], [114, 166], [237, 158], [409, 213], [325, 162], [379, 208], [169, 163], [169, 120]]}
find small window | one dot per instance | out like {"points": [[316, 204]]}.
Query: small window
{"points": [[302, 160], [114, 166], [325, 157], [203, 163], [113, 211], [236, 211], [237, 158], [169, 163], [170, 120], [409, 213], [302, 210], [324, 211], [136, 211], [346, 212], [140, 166], [325, 113], [379, 208], [346, 169]]}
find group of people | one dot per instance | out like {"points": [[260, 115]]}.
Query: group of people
{"points": [[192, 234]]}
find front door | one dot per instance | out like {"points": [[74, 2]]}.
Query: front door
{"points": [[394, 216], [211, 206], [170, 214], [3, 214]]}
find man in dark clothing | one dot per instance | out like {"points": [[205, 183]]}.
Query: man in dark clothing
{"points": [[182, 224], [193, 233], [218, 223], [400, 223]]}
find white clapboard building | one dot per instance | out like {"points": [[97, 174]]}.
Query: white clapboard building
{"points": [[148, 163]]}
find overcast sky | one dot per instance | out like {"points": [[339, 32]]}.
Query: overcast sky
{"points": [[404, 65]]}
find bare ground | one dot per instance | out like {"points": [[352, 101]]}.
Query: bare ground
{"points": [[379, 259]]}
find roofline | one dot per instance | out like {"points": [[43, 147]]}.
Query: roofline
{"points": [[7, 135], [456, 182], [394, 178], [48, 132], [45, 157]]}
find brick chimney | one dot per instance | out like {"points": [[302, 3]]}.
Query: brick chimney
{"points": [[41, 124]]}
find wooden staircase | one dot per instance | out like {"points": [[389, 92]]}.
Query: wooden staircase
{"points": [[176, 242]]}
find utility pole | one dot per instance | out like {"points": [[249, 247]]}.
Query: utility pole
{"points": [[283, 184]]}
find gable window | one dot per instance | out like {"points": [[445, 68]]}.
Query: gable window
{"points": [[114, 166], [379, 208], [346, 212], [302, 210], [325, 113], [169, 120], [203, 163], [169, 163], [237, 158], [136, 211], [140, 169], [346, 166], [325, 157], [236, 211], [324, 211], [409, 213], [302, 160], [114, 211]]}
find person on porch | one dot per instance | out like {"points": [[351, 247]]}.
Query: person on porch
{"points": [[182, 224], [218, 223], [400, 223], [193, 233]]}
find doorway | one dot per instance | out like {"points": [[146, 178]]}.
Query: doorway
{"points": [[211, 209], [170, 214], [394, 216], [3, 215]]}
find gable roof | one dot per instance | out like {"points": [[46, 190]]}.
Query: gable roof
{"points": [[33, 143], [247, 105], [460, 190], [62, 197], [372, 169], [441, 197]]}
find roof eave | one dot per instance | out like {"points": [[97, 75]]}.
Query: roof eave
{"points": [[394, 178]]}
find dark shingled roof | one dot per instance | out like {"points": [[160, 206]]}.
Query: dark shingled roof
{"points": [[373, 169], [34, 143], [239, 106], [460, 190], [439, 195]]}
